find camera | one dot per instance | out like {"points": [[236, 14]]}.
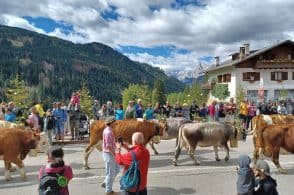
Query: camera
{"points": [[120, 140]]}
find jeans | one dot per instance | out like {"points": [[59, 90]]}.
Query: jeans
{"points": [[111, 170], [59, 127], [49, 135]]}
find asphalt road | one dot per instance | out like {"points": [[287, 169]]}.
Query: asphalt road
{"points": [[209, 178]]}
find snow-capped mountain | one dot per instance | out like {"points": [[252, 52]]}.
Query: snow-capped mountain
{"points": [[185, 76]]}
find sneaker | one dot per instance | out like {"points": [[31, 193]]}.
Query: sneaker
{"points": [[102, 185], [112, 193]]}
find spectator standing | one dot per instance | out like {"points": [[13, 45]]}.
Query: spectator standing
{"points": [[265, 184], [130, 111], [119, 112], [110, 110], [9, 115], [111, 167], [157, 110], [251, 114], [95, 109], [273, 108], [33, 119], [14, 109], [243, 113], [55, 165], [263, 108], [49, 125], [230, 111], [281, 108], [74, 120], [40, 114], [194, 109], [149, 112], [103, 112], [139, 109], [203, 111], [211, 111], [177, 110], [167, 109], [185, 110], [60, 118], [142, 155]]}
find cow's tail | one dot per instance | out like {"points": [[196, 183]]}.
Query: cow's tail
{"points": [[253, 126], [179, 143]]}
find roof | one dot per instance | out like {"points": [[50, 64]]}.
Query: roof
{"points": [[252, 54]]}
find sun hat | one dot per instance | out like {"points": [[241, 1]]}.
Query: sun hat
{"points": [[263, 167], [109, 120]]}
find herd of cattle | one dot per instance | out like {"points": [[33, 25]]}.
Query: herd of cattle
{"points": [[270, 133]]}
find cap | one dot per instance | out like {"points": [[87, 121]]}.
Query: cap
{"points": [[109, 120], [263, 167]]}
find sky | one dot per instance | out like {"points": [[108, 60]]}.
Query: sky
{"points": [[171, 34]]}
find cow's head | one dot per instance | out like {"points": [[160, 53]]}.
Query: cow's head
{"points": [[162, 123], [238, 130]]}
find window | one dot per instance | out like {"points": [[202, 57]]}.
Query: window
{"points": [[251, 76], [220, 78], [225, 78], [279, 76]]}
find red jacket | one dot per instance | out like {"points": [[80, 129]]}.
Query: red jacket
{"points": [[143, 156]]}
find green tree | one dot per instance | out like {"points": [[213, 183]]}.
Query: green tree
{"points": [[158, 92], [220, 91], [134, 92], [17, 92], [240, 96], [86, 100]]}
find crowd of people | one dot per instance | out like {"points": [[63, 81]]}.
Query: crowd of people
{"points": [[56, 121]]}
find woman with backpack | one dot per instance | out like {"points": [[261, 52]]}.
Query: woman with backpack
{"points": [[136, 153], [55, 175]]}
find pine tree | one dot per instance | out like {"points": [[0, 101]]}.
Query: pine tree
{"points": [[86, 100], [158, 92], [17, 92]]}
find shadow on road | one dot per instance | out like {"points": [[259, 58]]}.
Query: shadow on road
{"points": [[169, 191]]}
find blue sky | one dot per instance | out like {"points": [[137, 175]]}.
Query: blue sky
{"points": [[174, 35]]}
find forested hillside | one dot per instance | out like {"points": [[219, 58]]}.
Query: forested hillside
{"points": [[57, 67]]}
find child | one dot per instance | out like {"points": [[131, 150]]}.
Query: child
{"points": [[56, 169], [245, 181], [265, 184]]}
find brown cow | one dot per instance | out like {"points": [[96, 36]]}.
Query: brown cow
{"points": [[123, 129], [275, 137], [261, 121], [15, 144]]}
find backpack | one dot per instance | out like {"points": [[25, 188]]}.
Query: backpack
{"points": [[131, 178], [52, 183]]}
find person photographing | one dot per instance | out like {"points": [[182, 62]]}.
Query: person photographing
{"points": [[142, 156]]}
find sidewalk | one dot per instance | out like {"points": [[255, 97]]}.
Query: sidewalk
{"points": [[67, 140]]}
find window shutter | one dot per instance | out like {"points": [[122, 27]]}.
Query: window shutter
{"points": [[244, 76], [284, 75], [228, 77], [273, 76]]}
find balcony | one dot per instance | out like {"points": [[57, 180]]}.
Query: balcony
{"points": [[275, 64]]}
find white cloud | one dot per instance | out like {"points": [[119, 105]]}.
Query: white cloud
{"points": [[11, 20], [216, 29]]}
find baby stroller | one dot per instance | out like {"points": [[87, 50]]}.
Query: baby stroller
{"points": [[84, 126]]}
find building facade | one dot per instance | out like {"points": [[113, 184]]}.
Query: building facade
{"points": [[265, 74]]}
